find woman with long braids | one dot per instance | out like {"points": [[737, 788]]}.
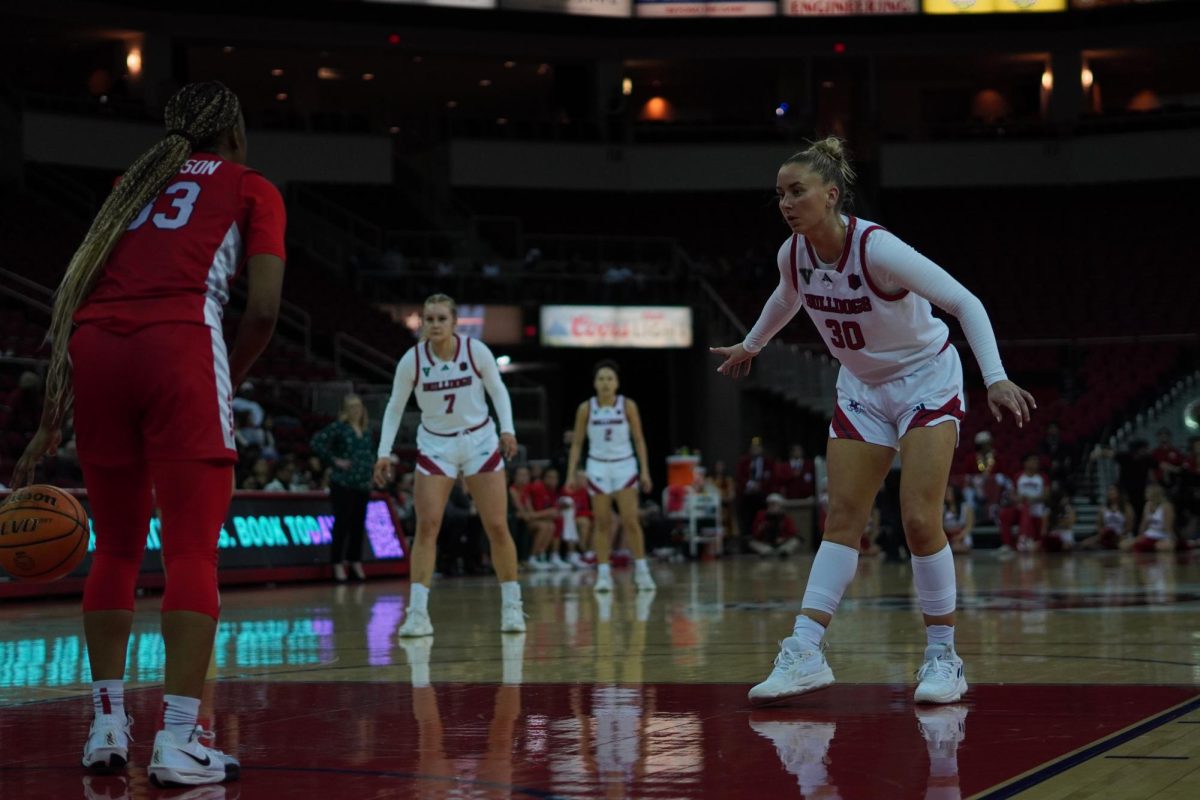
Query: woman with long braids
{"points": [[138, 351]]}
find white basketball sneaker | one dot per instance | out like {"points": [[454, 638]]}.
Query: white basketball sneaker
{"points": [[416, 624], [107, 747], [603, 582], [796, 672], [576, 560], [190, 763], [643, 580], [556, 562], [940, 678], [512, 617]]}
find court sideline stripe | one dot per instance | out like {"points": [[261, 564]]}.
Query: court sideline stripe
{"points": [[1071, 760]]}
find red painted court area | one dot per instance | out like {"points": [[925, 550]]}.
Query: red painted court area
{"points": [[595, 741]]}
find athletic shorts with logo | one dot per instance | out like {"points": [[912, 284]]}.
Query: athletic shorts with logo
{"points": [[883, 413], [468, 452], [608, 477]]}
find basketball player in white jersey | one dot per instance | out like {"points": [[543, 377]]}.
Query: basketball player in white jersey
{"points": [[450, 375], [900, 388], [614, 433]]}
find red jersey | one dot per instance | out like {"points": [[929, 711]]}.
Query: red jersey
{"points": [[177, 259], [537, 496]]}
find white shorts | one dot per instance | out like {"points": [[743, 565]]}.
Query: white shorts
{"points": [[609, 477], [882, 413], [468, 452]]}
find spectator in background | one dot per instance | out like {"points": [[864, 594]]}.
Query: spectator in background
{"points": [[958, 518], [348, 446], [1058, 524], [1168, 461], [1157, 530], [535, 511], [987, 489], [1057, 458], [246, 402], [1189, 490], [773, 532], [1115, 522], [1032, 488], [726, 487], [1136, 465], [797, 476], [575, 521], [258, 477], [285, 475], [755, 474]]}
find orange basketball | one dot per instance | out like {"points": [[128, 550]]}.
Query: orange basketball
{"points": [[43, 533]]}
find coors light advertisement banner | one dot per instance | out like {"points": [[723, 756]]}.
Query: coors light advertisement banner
{"points": [[847, 8]]}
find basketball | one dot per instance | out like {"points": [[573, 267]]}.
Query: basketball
{"points": [[43, 533]]}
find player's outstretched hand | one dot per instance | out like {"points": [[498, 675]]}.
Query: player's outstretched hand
{"points": [[737, 360], [1004, 395], [383, 472], [44, 442], [508, 446]]}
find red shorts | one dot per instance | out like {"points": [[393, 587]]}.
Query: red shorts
{"points": [[1144, 544], [162, 393]]}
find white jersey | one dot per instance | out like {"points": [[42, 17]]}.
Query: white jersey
{"points": [[1032, 488], [877, 336], [609, 437], [452, 394], [1156, 527], [1113, 520]]}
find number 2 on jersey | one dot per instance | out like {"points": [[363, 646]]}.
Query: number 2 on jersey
{"points": [[184, 195], [846, 335], [449, 398]]}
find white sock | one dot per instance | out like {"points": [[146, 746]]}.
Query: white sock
{"points": [[937, 587], [832, 570], [604, 569], [640, 565], [418, 597], [510, 592], [939, 634], [108, 697], [809, 632], [179, 715]]}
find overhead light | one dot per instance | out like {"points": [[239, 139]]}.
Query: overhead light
{"points": [[509, 64], [627, 86], [394, 129], [1087, 78], [485, 83], [281, 96], [133, 61], [328, 73], [227, 48], [543, 69], [277, 72], [418, 59], [1048, 80], [451, 104], [502, 120], [368, 76], [503, 361]]}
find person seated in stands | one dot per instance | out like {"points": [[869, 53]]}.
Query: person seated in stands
{"points": [[1031, 488], [958, 518], [986, 489], [1058, 523], [1157, 531], [773, 533], [1115, 523], [1057, 458], [1189, 491], [797, 475], [285, 475], [1167, 459]]}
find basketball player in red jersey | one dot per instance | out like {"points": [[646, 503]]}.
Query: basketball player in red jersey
{"points": [[139, 313], [899, 389]]}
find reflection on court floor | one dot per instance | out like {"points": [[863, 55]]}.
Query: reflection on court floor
{"points": [[1084, 673]]}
